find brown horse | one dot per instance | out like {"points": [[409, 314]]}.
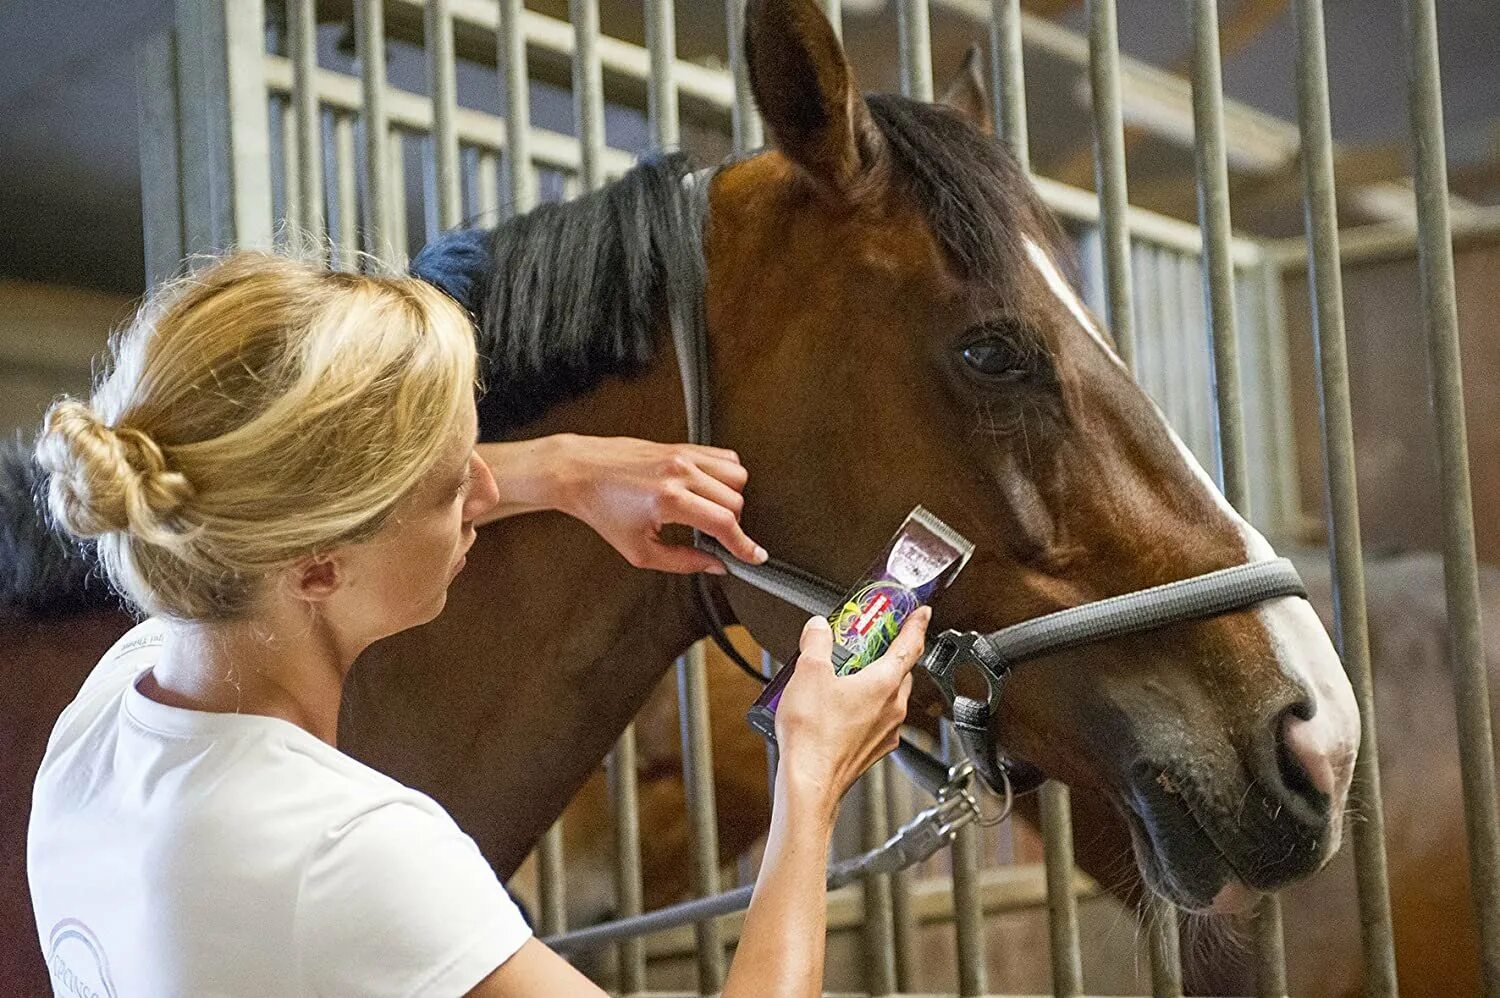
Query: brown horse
{"points": [[888, 325]]}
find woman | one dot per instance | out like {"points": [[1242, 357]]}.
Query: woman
{"points": [[279, 469]]}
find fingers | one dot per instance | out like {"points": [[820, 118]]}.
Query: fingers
{"points": [[675, 558], [904, 653], [719, 523], [730, 472]]}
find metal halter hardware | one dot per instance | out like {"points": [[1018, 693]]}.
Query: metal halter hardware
{"points": [[994, 654]]}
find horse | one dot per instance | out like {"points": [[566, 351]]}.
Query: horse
{"points": [[889, 324]]}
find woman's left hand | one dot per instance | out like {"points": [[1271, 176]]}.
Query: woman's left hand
{"points": [[628, 490]]}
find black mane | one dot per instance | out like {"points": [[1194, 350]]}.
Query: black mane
{"points": [[570, 293], [42, 573]]}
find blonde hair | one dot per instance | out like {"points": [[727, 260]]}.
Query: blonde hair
{"points": [[256, 411]]}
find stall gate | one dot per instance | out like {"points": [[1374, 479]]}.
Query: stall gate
{"points": [[245, 125]]}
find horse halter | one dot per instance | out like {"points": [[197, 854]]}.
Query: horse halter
{"points": [[996, 653]]}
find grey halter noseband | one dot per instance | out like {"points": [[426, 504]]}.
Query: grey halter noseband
{"points": [[995, 653]]}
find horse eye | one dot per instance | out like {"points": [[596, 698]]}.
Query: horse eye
{"points": [[996, 358]]}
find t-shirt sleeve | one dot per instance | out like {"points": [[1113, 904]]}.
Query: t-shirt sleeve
{"points": [[399, 901]]}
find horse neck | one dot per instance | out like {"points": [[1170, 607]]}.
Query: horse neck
{"points": [[550, 643]]}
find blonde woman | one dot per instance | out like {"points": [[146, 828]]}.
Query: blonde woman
{"points": [[279, 469]]}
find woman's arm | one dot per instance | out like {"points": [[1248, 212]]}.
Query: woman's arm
{"points": [[830, 729], [628, 490]]}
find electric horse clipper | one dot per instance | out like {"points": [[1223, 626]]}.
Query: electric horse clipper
{"points": [[921, 558]]}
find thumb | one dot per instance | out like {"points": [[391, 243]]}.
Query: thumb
{"points": [[817, 640]]}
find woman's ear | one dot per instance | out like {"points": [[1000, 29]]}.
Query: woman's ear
{"points": [[316, 577]]}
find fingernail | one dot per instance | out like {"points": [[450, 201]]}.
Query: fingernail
{"points": [[717, 568], [760, 554]]}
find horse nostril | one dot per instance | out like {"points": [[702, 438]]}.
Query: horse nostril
{"points": [[1305, 763]]}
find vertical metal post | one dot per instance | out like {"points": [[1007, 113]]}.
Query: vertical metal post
{"points": [[1165, 947], [395, 253], [1213, 213], [661, 42], [1109, 172], [551, 887], [1008, 78], [302, 15], [879, 934], [629, 895], [1062, 906], [161, 187], [291, 173], [438, 41], [588, 91], [486, 186], [1460, 566], [369, 47], [744, 119], [835, 11], [224, 130], [510, 43], [968, 917], [346, 188], [1326, 288], [903, 913], [916, 49], [698, 778]]}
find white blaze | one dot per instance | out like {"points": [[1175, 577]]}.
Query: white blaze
{"points": [[1302, 645]]}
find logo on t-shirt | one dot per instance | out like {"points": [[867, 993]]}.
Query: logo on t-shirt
{"points": [[77, 963]]}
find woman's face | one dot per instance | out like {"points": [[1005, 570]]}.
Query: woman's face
{"points": [[399, 578]]}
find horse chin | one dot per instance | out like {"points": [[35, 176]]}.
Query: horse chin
{"points": [[1181, 865]]}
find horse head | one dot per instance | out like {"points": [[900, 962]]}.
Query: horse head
{"points": [[890, 325]]}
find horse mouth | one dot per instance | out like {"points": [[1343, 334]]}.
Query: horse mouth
{"points": [[1178, 859]]}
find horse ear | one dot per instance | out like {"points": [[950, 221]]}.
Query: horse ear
{"points": [[805, 90], [968, 95]]}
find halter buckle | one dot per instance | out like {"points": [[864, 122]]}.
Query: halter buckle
{"points": [[949, 650]]}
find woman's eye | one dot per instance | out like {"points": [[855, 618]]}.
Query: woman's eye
{"points": [[993, 357]]}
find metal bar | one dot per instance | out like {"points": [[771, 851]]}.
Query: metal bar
{"points": [[903, 911], [1109, 172], [916, 49], [161, 184], [551, 886], [291, 174], [369, 48], [510, 42], [968, 917], [1008, 78], [303, 27], [588, 90], [835, 11], [441, 85], [1062, 907], [744, 120], [346, 185], [879, 931], [1165, 947], [1460, 567], [486, 190], [629, 895], [1326, 289], [698, 779], [1286, 497], [396, 250], [1213, 214], [661, 86]]}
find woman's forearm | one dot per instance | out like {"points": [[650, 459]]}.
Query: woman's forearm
{"points": [[781, 947], [530, 475]]}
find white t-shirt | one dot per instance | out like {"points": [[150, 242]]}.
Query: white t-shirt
{"points": [[178, 852]]}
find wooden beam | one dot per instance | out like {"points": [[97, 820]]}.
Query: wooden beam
{"points": [[1237, 32]]}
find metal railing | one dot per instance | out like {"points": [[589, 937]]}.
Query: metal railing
{"points": [[269, 134]]}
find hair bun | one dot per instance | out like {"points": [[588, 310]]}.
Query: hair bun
{"points": [[107, 479]]}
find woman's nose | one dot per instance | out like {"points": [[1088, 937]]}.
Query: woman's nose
{"points": [[484, 493]]}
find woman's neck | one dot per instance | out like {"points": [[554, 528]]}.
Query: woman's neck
{"points": [[289, 665]]}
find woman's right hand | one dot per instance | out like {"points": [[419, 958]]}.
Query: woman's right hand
{"points": [[832, 728]]}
